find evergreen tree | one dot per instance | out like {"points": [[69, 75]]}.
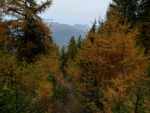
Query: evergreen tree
{"points": [[72, 48], [144, 21], [63, 60], [127, 8], [94, 27], [100, 26], [92, 31], [79, 42]]}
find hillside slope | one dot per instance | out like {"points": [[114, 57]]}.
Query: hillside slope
{"points": [[63, 32]]}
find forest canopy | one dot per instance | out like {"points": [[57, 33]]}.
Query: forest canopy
{"points": [[107, 71]]}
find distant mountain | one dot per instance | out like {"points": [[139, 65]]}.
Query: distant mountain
{"points": [[63, 32]]}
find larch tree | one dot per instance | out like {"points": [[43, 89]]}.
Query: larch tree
{"points": [[136, 12], [107, 67], [25, 86], [32, 35]]}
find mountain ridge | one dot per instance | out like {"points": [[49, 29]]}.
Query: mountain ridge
{"points": [[63, 32]]}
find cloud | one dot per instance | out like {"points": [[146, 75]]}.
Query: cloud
{"points": [[76, 11]]}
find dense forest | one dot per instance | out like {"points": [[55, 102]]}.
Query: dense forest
{"points": [[108, 71]]}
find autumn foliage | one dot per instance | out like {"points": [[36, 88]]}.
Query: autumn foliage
{"points": [[107, 71]]}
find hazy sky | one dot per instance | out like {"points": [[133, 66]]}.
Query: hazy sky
{"points": [[76, 11]]}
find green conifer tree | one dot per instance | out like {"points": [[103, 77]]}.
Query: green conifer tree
{"points": [[127, 8], [72, 48], [144, 21], [79, 42], [63, 60]]}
